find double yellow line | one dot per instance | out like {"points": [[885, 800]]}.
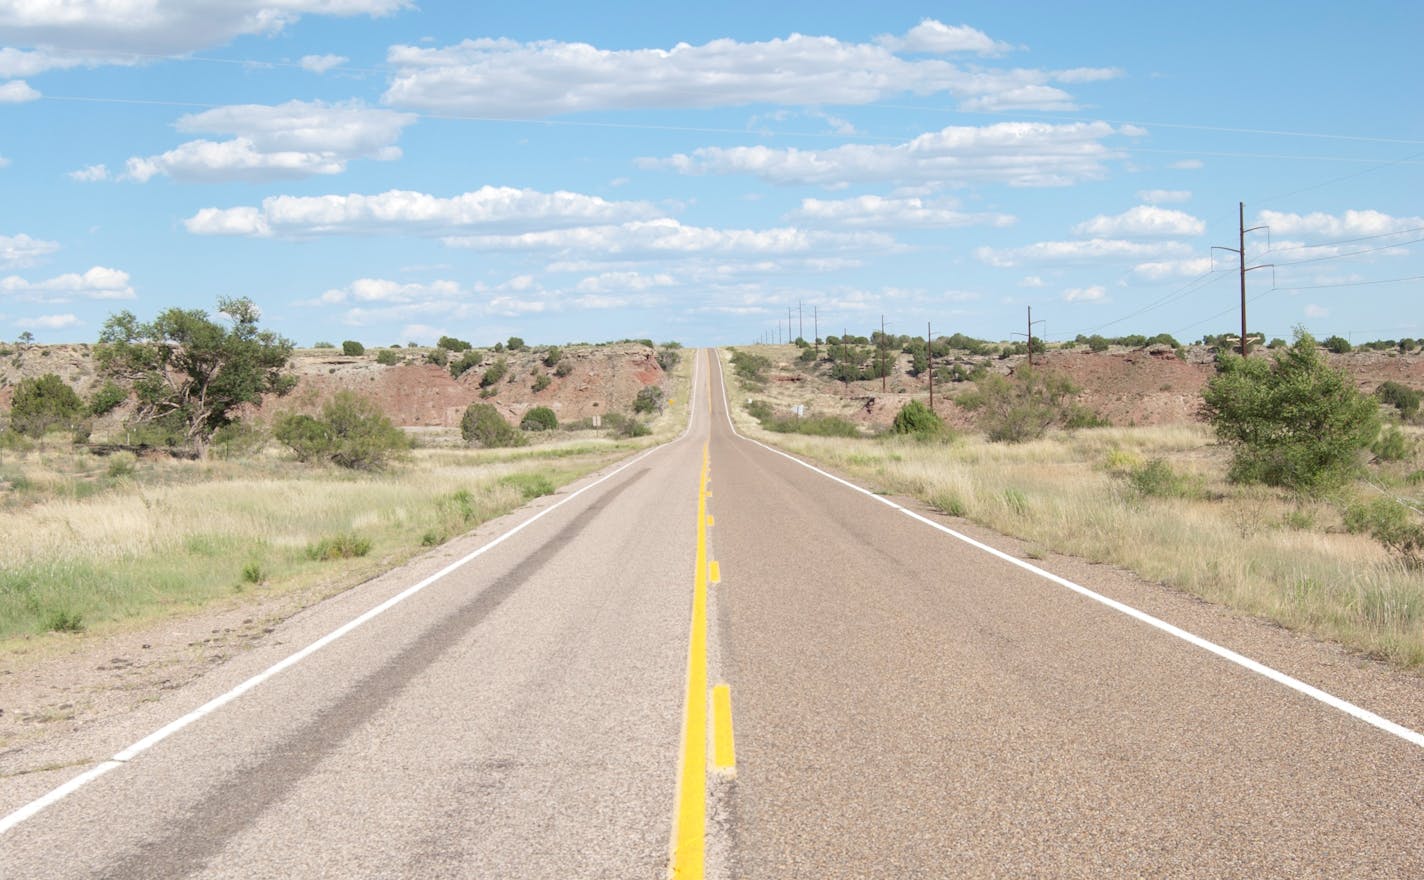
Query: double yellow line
{"points": [[689, 843]]}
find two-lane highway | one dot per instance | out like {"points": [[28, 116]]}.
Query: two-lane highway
{"points": [[904, 705]]}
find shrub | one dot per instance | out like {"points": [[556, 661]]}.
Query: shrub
{"points": [[352, 348], [916, 418], [322, 345], [759, 410], [669, 356], [531, 486], [563, 369], [494, 373], [540, 418], [1292, 422], [104, 400], [450, 343], [1338, 345], [351, 433], [1156, 479], [649, 399], [515, 344], [816, 426], [1393, 524], [750, 367], [238, 438], [1392, 445], [122, 464], [482, 425], [63, 621], [253, 573], [1401, 397], [304, 435], [541, 383], [464, 363], [1022, 408], [387, 358], [439, 357], [344, 546], [43, 403], [553, 356]]}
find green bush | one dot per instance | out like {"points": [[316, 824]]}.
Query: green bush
{"points": [[122, 464], [253, 573], [759, 410], [306, 436], [669, 356], [482, 425], [465, 362], [816, 426], [1393, 524], [649, 399], [540, 418], [352, 348], [63, 621], [1392, 445], [1022, 408], [750, 367], [541, 383], [1401, 397], [343, 546], [515, 344], [104, 400], [553, 356], [322, 345], [439, 357], [916, 418], [351, 433], [531, 486], [239, 438], [450, 343], [563, 369], [43, 403], [496, 372], [1157, 479], [1291, 422], [387, 358], [1338, 345]]}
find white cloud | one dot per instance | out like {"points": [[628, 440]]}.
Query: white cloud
{"points": [[322, 63], [931, 36], [624, 282], [1143, 221], [380, 290], [52, 322], [495, 208], [1015, 153], [1032, 281], [98, 283], [879, 212], [1088, 74], [1090, 250], [1315, 311], [507, 78], [4, 162], [90, 173], [960, 296], [381, 302], [163, 26], [19, 251], [667, 236], [295, 139], [1094, 294], [1164, 196], [17, 91], [1188, 165], [1351, 224], [1160, 270]]}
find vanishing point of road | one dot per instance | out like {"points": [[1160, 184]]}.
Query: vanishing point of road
{"points": [[714, 660]]}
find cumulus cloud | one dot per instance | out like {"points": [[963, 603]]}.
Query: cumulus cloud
{"points": [[98, 283], [666, 236], [1015, 153], [1143, 221], [494, 208], [90, 173], [1351, 224], [1095, 294], [381, 302], [322, 63], [508, 78], [878, 212], [17, 91], [1164, 196], [624, 282], [1088, 74], [19, 251], [1188, 165], [1089, 250], [295, 139], [1161, 270], [164, 26], [52, 322]]}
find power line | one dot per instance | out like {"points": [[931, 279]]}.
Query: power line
{"points": [[1383, 247], [1297, 247], [1355, 283]]}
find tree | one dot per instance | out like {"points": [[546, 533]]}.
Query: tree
{"points": [[916, 418], [1291, 422], [540, 418], [351, 433], [191, 371], [649, 399], [352, 348], [483, 425], [1022, 408], [515, 344], [450, 343], [43, 403]]}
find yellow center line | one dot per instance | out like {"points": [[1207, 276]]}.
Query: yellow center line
{"points": [[715, 572], [689, 839], [724, 752]]}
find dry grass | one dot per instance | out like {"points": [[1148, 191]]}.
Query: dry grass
{"points": [[1254, 549], [92, 543]]}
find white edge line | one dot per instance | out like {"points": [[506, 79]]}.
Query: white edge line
{"points": [[1295, 684], [54, 796]]}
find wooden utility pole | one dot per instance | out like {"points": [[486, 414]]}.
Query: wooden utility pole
{"points": [[929, 360], [1030, 336], [800, 322], [816, 328], [1240, 251], [883, 352]]}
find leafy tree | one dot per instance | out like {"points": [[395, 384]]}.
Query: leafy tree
{"points": [[450, 343], [25, 338], [1401, 397], [1338, 345], [43, 403], [1291, 422], [191, 371], [105, 399], [515, 344], [306, 436], [482, 425], [352, 348], [351, 433], [916, 418], [387, 358], [540, 418], [1022, 408]]}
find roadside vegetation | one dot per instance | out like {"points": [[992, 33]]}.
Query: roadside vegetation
{"points": [[1316, 523]]}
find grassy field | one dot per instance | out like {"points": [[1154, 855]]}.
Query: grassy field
{"points": [[1092, 494], [93, 543]]}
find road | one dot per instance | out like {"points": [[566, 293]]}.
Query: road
{"points": [[903, 704]]}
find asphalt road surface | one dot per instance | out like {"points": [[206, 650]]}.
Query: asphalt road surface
{"points": [[903, 704]]}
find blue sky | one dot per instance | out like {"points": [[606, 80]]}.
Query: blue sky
{"points": [[392, 171]]}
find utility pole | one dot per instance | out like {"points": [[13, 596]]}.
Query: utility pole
{"points": [[788, 325], [929, 360], [816, 328], [882, 354], [800, 322], [1031, 322], [1240, 251]]}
